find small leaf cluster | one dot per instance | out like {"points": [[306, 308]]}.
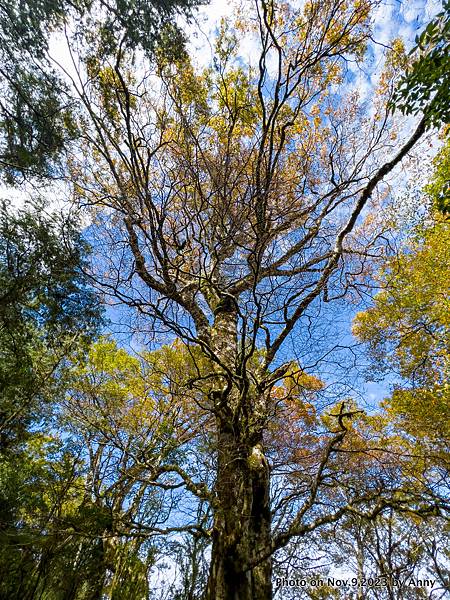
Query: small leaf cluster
{"points": [[425, 87]]}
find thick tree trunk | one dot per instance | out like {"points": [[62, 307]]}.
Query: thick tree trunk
{"points": [[241, 524], [242, 527]]}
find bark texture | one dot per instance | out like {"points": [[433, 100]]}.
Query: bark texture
{"points": [[242, 523]]}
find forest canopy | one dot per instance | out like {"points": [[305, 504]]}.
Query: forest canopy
{"points": [[224, 310]]}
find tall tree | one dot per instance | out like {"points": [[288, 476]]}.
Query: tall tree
{"points": [[46, 311], [134, 419], [228, 205], [407, 331]]}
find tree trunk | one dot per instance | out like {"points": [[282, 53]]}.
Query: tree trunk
{"points": [[242, 527], [241, 524]]}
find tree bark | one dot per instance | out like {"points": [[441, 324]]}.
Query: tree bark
{"points": [[241, 523]]}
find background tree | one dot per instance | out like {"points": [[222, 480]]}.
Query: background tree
{"points": [[386, 553], [407, 332], [424, 87], [407, 328], [36, 114], [46, 311]]}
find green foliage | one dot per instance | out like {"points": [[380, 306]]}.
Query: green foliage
{"points": [[425, 86], [37, 487], [140, 403], [36, 120], [408, 331], [33, 114], [409, 322], [46, 309], [35, 125], [438, 188]]}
